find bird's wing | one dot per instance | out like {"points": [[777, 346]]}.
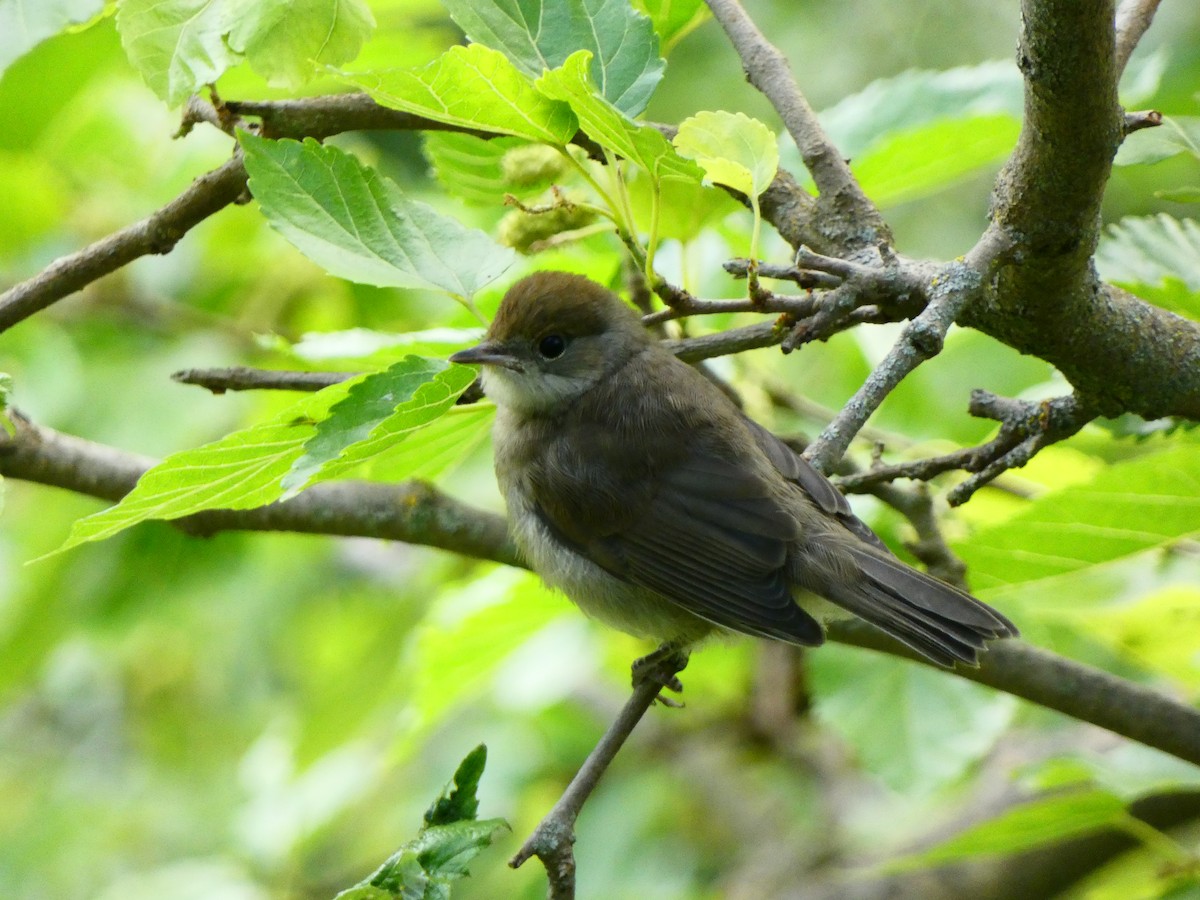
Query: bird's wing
{"points": [[687, 522], [798, 470]]}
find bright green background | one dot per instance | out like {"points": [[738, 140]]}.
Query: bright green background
{"points": [[266, 716]]}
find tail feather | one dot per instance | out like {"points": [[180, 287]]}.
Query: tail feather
{"points": [[935, 619]]}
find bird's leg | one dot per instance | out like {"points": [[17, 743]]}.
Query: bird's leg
{"points": [[661, 667]]}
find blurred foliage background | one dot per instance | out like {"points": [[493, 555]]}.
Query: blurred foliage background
{"points": [[266, 716]]}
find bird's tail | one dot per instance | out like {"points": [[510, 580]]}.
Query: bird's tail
{"points": [[939, 621]]}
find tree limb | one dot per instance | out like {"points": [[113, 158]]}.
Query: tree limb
{"points": [[1133, 20]]}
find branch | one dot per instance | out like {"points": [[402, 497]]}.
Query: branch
{"points": [[245, 378], [1025, 428], [554, 837], [414, 512], [1133, 20], [158, 233], [842, 206]]}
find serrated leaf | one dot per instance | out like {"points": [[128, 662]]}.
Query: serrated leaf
{"points": [[239, 471], [459, 801], [472, 87], [1127, 508], [923, 160], [445, 850], [285, 40], [378, 412], [538, 35], [1176, 134], [1150, 250], [359, 225], [468, 167], [26, 23], [915, 728], [733, 149], [1025, 827], [641, 144], [177, 46]]}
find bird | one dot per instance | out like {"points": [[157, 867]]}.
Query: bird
{"points": [[644, 493]]}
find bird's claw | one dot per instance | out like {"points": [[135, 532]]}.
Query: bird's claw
{"points": [[660, 667]]}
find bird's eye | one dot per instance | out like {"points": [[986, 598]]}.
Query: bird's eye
{"points": [[552, 346]]}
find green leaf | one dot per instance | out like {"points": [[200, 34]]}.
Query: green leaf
{"points": [[674, 19], [1176, 134], [733, 149], [917, 97], [366, 343], [1025, 827], [239, 471], [538, 35], [437, 449], [424, 868], [346, 217], [913, 727], [1127, 508], [921, 161], [378, 412], [285, 40], [1151, 250], [468, 167], [472, 87], [641, 144], [26, 23], [459, 801], [178, 46]]}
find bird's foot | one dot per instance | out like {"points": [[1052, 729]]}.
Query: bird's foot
{"points": [[662, 667]]}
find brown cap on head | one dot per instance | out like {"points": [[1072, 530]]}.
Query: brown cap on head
{"points": [[548, 302]]}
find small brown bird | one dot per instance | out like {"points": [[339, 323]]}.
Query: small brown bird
{"points": [[658, 507]]}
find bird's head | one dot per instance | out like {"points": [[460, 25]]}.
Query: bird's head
{"points": [[554, 337]]}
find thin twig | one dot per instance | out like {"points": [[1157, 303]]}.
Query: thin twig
{"points": [[554, 837], [1133, 20], [922, 339], [245, 378]]}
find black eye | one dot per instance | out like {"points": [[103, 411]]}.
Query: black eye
{"points": [[552, 346]]}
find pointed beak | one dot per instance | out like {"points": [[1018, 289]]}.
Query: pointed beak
{"points": [[489, 353]]}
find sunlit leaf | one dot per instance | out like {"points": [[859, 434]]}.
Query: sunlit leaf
{"points": [[378, 412], [733, 149], [923, 160], [178, 46], [538, 35], [239, 471], [348, 218], [444, 444], [1126, 509], [472, 87], [284, 40], [604, 124], [26, 23]]}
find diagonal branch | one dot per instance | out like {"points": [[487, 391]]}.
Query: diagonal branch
{"points": [[842, 206], [1133, 20], [157, 233]]}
